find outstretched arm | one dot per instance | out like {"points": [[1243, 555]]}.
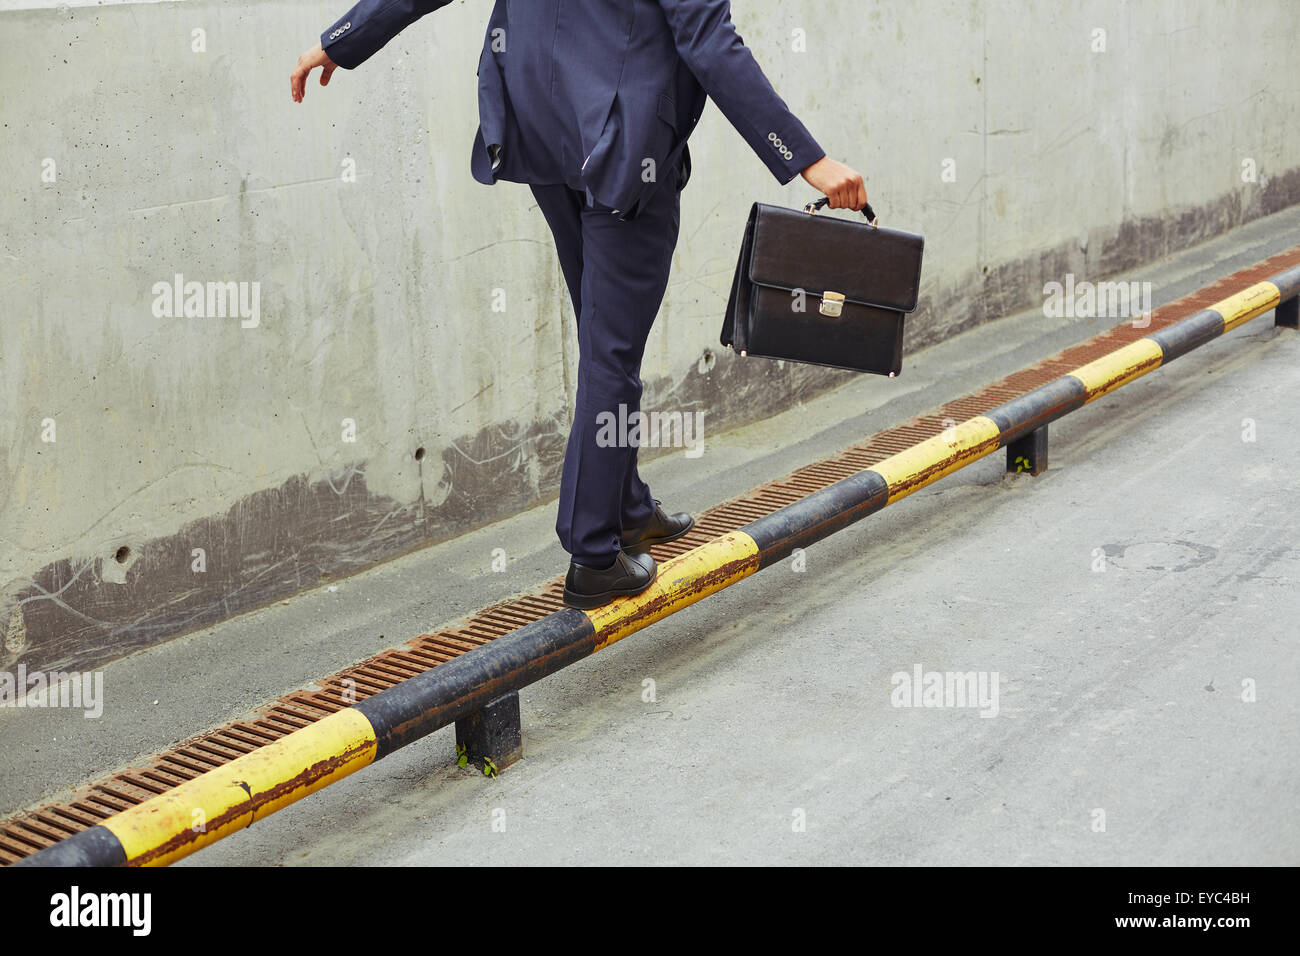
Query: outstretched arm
{"points": [[358, 34], [365, 28], [708, 43]]}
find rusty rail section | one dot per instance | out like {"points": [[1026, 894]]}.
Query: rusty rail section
{"points": [[309, 738]]}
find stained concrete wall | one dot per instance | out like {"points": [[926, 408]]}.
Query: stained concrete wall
{"points": [[160, 473]]}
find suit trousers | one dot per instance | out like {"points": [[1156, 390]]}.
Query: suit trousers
{"points": [[616, 271]]}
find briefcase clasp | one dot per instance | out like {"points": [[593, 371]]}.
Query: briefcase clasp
{"points": [[832, 304]]}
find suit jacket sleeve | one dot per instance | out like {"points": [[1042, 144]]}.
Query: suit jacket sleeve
{"points": [[708, 43], [365, 28]]}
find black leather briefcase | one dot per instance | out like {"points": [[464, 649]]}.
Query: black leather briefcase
{"points": [[823, 290]]}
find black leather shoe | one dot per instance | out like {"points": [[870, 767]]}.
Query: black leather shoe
{"points": [[662, 528], [587, 588]]}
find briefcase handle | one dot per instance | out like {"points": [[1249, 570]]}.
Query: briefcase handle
{"points": [[816, 204]]}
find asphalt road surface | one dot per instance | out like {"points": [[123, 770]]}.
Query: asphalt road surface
{"points": [[1130, 618]]}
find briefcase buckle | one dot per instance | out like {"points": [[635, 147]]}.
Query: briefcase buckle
{"points": [[832, 304]]}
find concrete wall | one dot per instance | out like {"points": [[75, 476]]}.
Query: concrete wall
{"points": [[173, 434]]}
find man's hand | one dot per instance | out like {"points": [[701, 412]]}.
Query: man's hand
{"points": [[306, 63], [842, 185]]}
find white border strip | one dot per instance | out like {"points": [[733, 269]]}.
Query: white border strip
{"points": [[11, 6]]}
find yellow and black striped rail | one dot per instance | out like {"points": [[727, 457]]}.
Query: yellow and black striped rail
{"points": [[201, 811]]}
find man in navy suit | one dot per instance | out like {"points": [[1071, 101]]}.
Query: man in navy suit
{"points": [[591, 103]]}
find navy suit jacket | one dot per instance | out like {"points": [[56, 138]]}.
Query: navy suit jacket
{"points": [[600, 94]]}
